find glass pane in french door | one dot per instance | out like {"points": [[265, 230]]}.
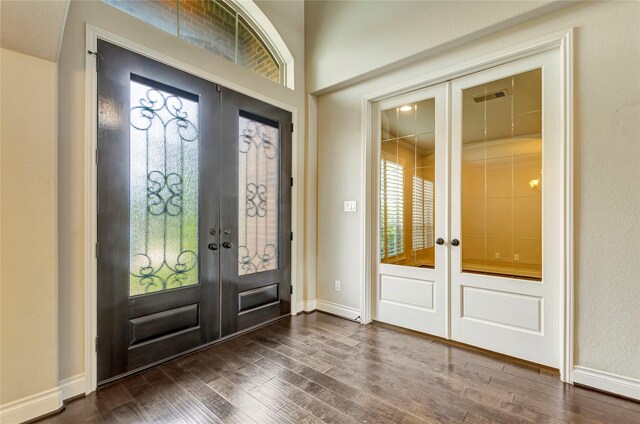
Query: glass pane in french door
{"points": [[502, 177], [258, 197], [163, 190], [407, 185]]}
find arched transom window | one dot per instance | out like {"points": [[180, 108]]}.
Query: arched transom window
{"points": [[236, 30]]}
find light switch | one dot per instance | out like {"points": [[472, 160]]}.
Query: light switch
{"points": [[350, 205]]}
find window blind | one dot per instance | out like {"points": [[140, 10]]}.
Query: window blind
{"points": [[422, 218], [391, 209]]}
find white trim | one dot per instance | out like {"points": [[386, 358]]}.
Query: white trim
{"points": [[43, 403], [564, 42], [336, 309], [310, 305], [567, 298], [607, 382], [270, 36], [91, 221], [72, 386], [94, 33], [31, 407], [367, 243], [306, 306]]}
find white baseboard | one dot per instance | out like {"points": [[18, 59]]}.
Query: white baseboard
{"points": [[72, 386], [42, 403], [31, 407], [336, 309], [607, 382], [306, 306], [309, 305]]}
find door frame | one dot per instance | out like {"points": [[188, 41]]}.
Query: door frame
{"points": [[93, 33], [562, 42]]}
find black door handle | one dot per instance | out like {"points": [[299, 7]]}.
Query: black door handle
{"points": [[455, 242], [440, 241], [213, 246], [227, 245]]}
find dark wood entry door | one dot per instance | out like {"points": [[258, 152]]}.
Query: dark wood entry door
{"points": [[256, 216], [165, 211]]}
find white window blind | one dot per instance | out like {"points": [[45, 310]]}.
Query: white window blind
{"points": [[422, 213], [391, 209]]}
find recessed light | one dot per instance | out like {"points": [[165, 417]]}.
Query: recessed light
{"points": [[406, 108]]}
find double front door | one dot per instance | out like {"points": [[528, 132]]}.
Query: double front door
{"points": [[469, 209], [194, 212]]}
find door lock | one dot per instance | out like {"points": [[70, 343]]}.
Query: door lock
{"points": [[227, 245]]}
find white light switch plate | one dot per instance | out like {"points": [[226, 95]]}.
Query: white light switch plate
{"points": [[350, 205]]}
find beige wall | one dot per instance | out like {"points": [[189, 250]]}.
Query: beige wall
{"points": [[349, 39], [287, 18], [28, 260], [607, 106]]}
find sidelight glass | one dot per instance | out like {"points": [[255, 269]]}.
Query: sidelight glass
{"points": [[407, 190], [163, 187], [502, 177], [258, 197]]}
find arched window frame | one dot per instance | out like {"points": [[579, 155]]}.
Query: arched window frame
{"points": [[254, 19], [269, 36]]}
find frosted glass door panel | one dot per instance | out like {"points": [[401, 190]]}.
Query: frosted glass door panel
{"points": [[407, 185], [163, 187], [502, 177], [258, 212]]}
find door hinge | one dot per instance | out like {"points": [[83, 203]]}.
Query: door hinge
{"points": [[97, 56], [292, 127], [97, 344], [218, 88], [291, 181], [291, 235], [291, 289], [97, 249], [96, 155]]}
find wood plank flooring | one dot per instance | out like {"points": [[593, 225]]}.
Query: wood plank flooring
{"points": [[318, 368]]}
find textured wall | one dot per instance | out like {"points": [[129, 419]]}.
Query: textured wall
{"points": [[28, 261], [607, 106]]}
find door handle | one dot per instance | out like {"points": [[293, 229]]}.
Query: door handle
{"points": [[440, 241], [213, 246], [227, 245], [455, 242]]}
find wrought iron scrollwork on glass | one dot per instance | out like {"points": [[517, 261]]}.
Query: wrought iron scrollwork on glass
{"points": [[258, 207], [163, 211]]}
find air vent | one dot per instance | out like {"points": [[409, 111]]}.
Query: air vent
{"points": [[493, 95]]}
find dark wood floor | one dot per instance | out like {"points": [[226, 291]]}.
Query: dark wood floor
{"points": [[318, 368]]}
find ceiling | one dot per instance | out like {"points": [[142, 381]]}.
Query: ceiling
{"points": [[521, 106], [33, 27]]}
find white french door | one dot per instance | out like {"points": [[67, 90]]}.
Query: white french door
{"points": [[505, 203], [469, 234], [412, 206]]}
